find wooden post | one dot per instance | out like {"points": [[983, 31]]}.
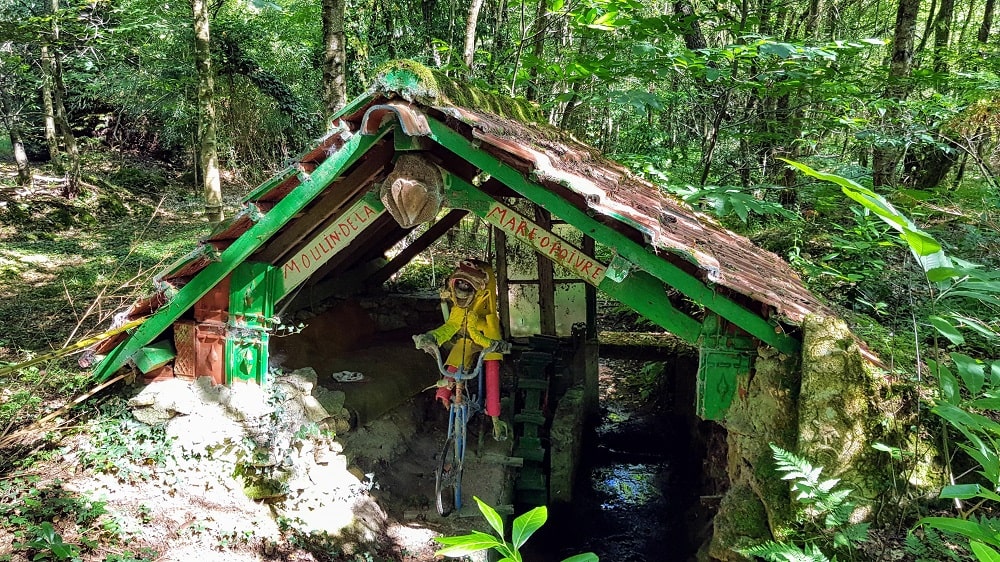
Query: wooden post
{"points": [[546, 287], [503, 287]]}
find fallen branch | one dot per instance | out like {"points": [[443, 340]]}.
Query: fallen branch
{"points": [[8, 440]]}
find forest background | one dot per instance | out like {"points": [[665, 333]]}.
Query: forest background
{"points": [[704, 99]]}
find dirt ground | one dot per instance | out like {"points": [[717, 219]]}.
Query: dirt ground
{"points": [[182, 513]]}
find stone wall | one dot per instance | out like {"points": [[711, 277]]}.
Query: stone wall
{"points": [[828, 407]]}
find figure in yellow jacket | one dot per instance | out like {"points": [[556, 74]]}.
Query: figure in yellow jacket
{"points": [[472, 291]]}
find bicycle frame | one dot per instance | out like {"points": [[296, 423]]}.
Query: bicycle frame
{"points": [[450, 474]]}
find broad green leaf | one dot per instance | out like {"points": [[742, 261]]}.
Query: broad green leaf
{"points": [[739, 208], [491, 515], [986, 403], [973, 372], [526, 524], [975, 295], [780, 50], [969, 529], [957, 417], [950, 391], [894, 452], [466, 544], [984, 553], [884, 210], [922, 244], [947, 330], [966, 491], [585, 557], [942, 274]]}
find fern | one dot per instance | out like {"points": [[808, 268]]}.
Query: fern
{"points": [[825, 514], [934, 546], [782, 552]]}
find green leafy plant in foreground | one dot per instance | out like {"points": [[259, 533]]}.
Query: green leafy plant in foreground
{"points": [[48, 544], [524, 526], [966, 296], [824, 515]]}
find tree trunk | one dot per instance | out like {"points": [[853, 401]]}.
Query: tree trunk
{"points": [[500, 41], [48, 71], [812, 19], [72, 186], [427, 8], [537, 50], [208, 157], [928, 27], [984, 29], [942, 32], [469, 51], [334, 56], [884, 158], [14, 130]]}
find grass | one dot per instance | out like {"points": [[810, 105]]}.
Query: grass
{"points": [[66, 267]]}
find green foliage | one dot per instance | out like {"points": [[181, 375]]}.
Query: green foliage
{"points": [[932, 546], [523, 527], [47, 544], [30, 512], [824, 515], [124, 447], [650, 376], [968, 402], [729, 200]]}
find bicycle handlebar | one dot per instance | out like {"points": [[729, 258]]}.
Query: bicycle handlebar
{"points": [[496, 346]]}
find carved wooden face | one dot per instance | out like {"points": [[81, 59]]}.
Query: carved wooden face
{"points": [[413, 192]]}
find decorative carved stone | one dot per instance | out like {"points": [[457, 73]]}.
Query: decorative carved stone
{"points": [[413, 192]]}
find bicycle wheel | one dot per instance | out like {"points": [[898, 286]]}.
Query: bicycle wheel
{"points": [[448, 479]]}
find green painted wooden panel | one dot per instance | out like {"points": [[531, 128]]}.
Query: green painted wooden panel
{"points": [[724, 362], [253, 289]]}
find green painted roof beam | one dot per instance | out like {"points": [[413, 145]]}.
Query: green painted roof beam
{"points": [[662, 269], [239, 250], [639, 290]]}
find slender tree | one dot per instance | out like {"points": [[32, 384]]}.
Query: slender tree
{"points": [[208, 157], [71, 187], [469, 50], [10, 122], [987, 24], [942, 35], [885, 156], [48, 108], [334, 56]]}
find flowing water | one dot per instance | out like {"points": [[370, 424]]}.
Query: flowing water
{"points": [[636, 484]]}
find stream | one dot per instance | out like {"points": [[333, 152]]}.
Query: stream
{"points": [[636, 484]]}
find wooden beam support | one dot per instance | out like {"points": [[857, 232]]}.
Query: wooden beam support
{"points": [[422, 242], [638, 290], [503, 281], [238, 251], [326, 209], [632, 254], [546, 288]]}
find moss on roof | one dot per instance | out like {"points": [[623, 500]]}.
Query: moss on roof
{"points": [[415, 82]]}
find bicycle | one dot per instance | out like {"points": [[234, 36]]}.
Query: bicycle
{"points": [[448, 474]]}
